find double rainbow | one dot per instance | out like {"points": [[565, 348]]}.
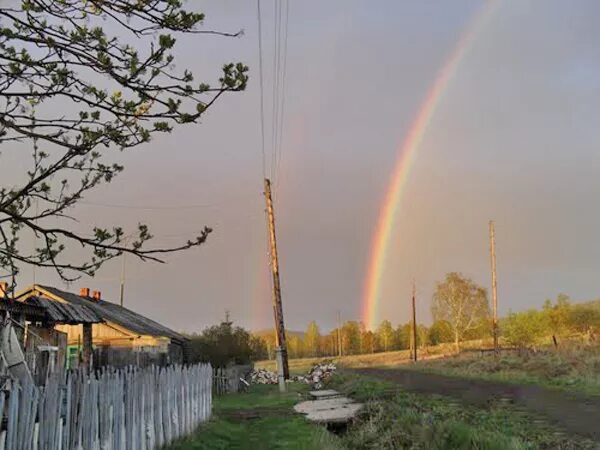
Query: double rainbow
{"points": [[406, 157]]}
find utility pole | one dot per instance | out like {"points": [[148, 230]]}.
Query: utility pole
{"points": [[414, 322], [122, 288], [339, 333], [277, 306], [37, 213], [123, 261], [494, 289]]}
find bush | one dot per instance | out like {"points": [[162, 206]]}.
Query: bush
{"points": [[524, 329], [225, 344]]}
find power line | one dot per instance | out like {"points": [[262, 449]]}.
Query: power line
{"points": [[160, 207], [276, 59], [262, 96], [148, 207], [283, 76]]}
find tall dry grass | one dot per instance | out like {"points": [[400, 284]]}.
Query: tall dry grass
{"points": [[572, 366], [383, 359]]}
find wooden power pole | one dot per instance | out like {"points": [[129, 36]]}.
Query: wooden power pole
{"points": [[339, 333], [122, 286], [277, 306], [494, 289], [414, 322]]}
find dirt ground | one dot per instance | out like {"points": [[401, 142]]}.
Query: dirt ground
{"points": [[575, 413]]}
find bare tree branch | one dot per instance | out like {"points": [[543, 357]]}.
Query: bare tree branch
{"points": [[52, 55]]}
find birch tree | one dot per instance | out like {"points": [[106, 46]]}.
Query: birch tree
{"points": [[312, 339], [462, 303]]}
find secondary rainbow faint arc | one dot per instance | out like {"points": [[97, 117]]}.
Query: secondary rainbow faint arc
{"points": [[407, 151]]}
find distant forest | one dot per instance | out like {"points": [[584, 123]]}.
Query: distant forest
{"points": [[460, 310], [556, 320]]}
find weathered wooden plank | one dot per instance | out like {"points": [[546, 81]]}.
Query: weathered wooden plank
{"points": [[130, 409]]}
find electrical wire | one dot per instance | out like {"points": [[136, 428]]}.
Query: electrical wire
{"points": [[276, 71], [262, 95], [283, 83], [162, 207], [148, 207]]}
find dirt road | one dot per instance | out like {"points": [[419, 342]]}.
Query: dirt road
{"points": [[575, 413]]}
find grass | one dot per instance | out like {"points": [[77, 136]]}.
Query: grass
{"points": [[272, 428], [572, 367], [384, 359], [394, 420]]}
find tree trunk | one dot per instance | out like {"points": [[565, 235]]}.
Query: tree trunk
{"points": [[456, 341]]}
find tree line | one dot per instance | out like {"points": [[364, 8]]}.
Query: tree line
{"points": [[459, 307], [461, 312], [553, 323]]}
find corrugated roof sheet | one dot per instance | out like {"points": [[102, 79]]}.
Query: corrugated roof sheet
{"points": [[66, 313], [13, 306], [119, 315]]}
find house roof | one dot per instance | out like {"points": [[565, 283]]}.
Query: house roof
{"points": [[117, 314], [31, 311], [65, 313]]}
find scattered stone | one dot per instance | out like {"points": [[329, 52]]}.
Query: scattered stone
{"points": [[316, 376], [263, 376]]}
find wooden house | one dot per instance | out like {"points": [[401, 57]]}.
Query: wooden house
{"points": [[123, 337], [39, 347]]}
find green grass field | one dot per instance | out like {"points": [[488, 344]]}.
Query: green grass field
{"points": [[571, 368], [260, 419], [395, 419], [263, 419], [384, 359], [574, 366]]}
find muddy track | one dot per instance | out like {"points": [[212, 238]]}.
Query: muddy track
{"points": [[575, 413]]}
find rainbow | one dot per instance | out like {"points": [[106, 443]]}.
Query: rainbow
{"points": [[406, 157]]}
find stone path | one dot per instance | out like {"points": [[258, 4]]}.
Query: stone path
{"points": [[328, 407]]}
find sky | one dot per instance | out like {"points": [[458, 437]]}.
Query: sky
{"points": [[513, 139]]}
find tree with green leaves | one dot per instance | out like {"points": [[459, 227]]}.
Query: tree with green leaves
{"points": [[525, 328], [440, 332], [295, 345], [422, 336], [80, 80], [225, 344], [385, 335], [368, 340], [585, 320], [351, 338], [462, 303], [557, 315], [312, 339], [404, 336]]}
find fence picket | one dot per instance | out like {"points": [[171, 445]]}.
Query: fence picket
{"points": [[128, 409]]}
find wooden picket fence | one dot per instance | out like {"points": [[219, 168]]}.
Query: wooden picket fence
{"points": [[226, 380], [220, 381], [127, 409]]}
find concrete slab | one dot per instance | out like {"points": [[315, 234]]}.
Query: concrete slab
{"points": [[320, 405], [325, 393], [330, 408], [342, 414]]}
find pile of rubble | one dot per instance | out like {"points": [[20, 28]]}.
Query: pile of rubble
{"points": [[263, 376], [315, 376]]}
